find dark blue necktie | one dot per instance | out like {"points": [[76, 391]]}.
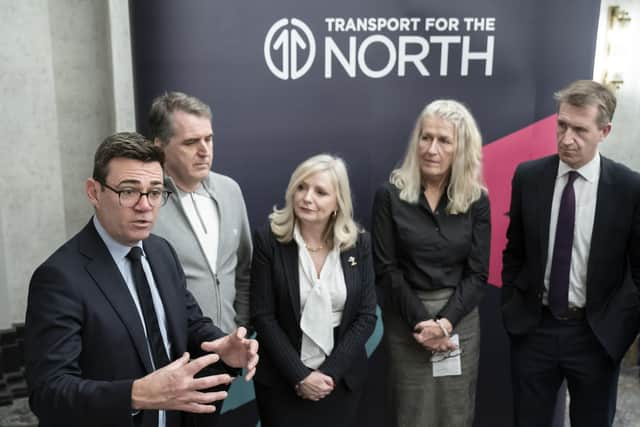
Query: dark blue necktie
{"points": [[561, 262], [154, 336]]}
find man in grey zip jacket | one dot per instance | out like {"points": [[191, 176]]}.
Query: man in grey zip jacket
{"points": [[205, 218]]}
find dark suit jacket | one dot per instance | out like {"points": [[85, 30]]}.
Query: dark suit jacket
{"points": [[613, 271], [275, 313], [84, 340]]}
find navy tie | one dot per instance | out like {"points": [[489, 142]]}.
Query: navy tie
{"points": [[154, 336], [561, 262]]}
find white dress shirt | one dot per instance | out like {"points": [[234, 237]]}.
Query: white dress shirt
{"points": [[586, 191], [322, 299], [119, 253]]}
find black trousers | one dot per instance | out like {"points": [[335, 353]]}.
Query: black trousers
{"points": [[280, 406], [212, 419], [557, 350]]}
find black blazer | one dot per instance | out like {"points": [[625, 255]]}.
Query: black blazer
{"points": [[613, 271], [84, 340], [275, 312]]}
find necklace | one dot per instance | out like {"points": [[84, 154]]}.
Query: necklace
{"points": [[312, 249]]}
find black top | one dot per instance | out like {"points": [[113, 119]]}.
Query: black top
{"points": [[416, 248]]}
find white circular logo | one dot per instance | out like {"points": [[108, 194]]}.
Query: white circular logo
{"points": [[292, 43]]}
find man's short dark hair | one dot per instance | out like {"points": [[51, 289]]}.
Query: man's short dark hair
{"points": [[162, 107], [583, 93], [128, 145]]}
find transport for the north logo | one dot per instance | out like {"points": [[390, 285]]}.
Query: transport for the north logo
{"points": [[379, 47]]}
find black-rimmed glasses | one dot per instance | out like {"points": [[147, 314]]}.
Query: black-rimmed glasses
{"points": [[130, 197]]}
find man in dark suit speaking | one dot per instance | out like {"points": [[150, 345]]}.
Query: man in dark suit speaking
{"points": [[571, 267], [109, 319]]}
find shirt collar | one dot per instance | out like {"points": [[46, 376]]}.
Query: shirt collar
{"points": [[116, 249], [200, 191], [297, 237], [204, 189], [590, 171]]}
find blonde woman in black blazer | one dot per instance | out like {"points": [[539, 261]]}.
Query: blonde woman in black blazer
{"points": [[312, 302]]}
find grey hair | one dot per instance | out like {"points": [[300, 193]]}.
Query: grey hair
{"points": [[162, 108], [465, 181]]}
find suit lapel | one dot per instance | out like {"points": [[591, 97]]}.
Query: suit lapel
{"points": [[604, 215], [290, 266], [107, 277], [172, 299], [349, 262], [547, 185]]}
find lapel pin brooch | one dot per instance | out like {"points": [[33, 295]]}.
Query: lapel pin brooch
{"points": [[352, 261]]}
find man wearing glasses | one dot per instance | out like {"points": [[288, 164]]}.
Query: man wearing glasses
{"points": [[110, 325]]}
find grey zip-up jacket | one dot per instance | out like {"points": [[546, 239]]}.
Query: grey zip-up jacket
{"points": [[223, 296]]}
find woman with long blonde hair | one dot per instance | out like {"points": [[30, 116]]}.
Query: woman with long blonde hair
{"points": [[312, 302], [431, 240]]}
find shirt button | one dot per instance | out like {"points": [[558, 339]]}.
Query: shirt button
{"points": [[437, 228]]}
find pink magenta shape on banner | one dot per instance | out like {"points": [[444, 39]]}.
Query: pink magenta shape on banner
{"points": [[500, 160]]}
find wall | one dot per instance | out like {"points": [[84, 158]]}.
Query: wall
{"points": [[623, 144], [32, 210], [59, 100]]}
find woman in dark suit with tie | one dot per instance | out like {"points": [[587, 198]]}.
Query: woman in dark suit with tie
{"points": [[312, 302]]}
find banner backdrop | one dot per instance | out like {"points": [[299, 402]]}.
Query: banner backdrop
{"points": [[288, 79]]}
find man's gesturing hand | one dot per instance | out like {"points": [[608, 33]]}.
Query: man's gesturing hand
{"points": [[174, 387], [236, 351]]}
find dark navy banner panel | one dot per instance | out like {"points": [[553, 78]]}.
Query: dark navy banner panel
{"points": [[265, 125], [288, 79]]}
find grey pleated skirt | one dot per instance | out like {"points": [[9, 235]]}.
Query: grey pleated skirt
{"points": [[416, 398]]}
